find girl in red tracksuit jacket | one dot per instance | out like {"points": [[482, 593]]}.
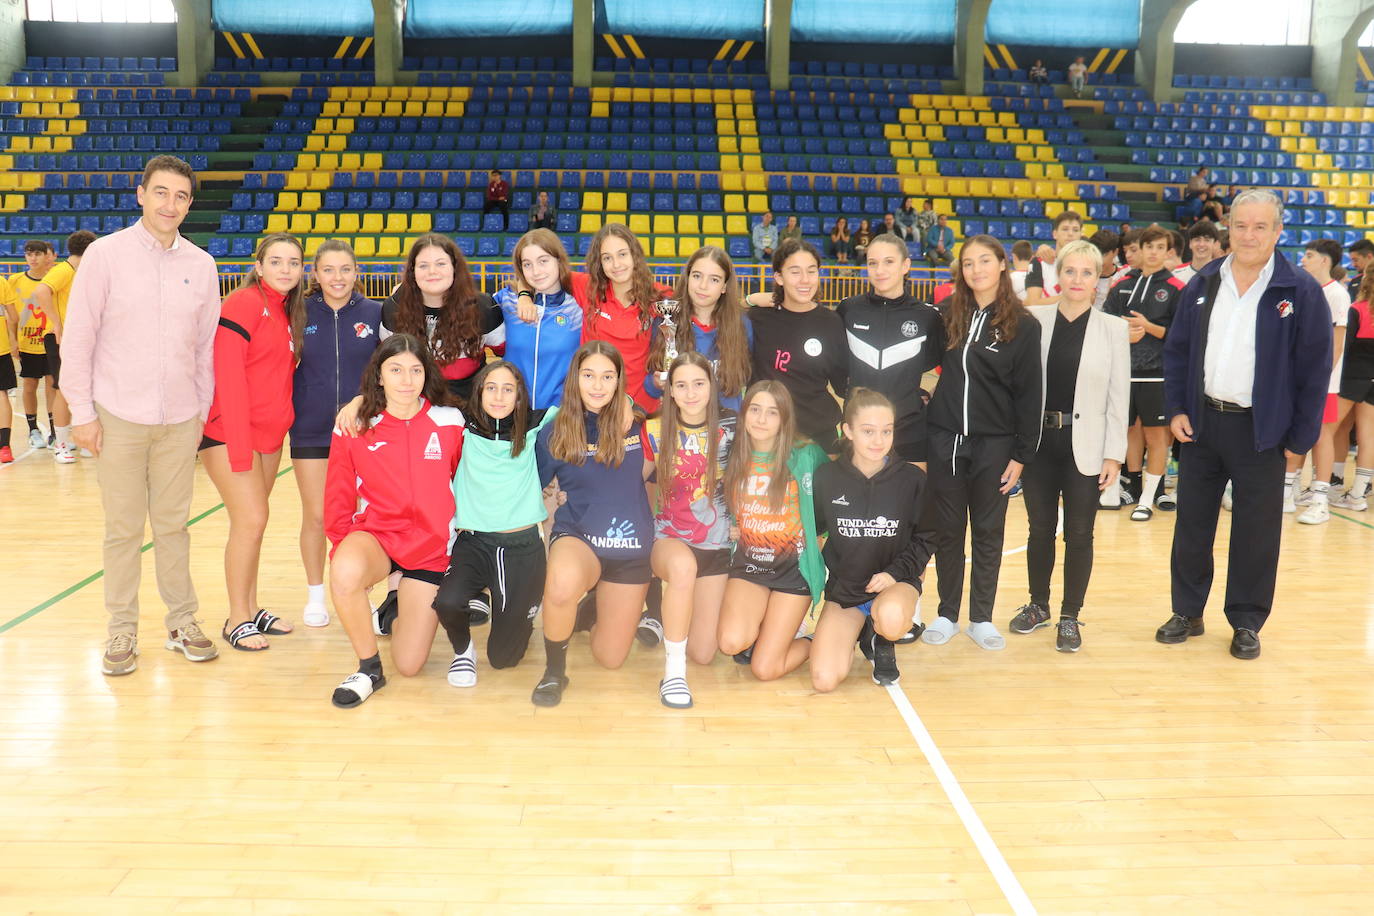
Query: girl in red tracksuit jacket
{"points": [[256, 346], [388, 507]]}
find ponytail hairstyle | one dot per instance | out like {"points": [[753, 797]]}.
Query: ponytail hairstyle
{"points": [[643, 293], [859, 399], [735, 364], [295, 297], [742, 449], [785, 250], [458, 332], [568, 441], [519, 420], [1366, 293], [672, 422], [333, 246], [1007, 310], [374, 396]]}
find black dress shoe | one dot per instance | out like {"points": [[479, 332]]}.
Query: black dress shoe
{"points": [[1178, 629], [1245, 644]]}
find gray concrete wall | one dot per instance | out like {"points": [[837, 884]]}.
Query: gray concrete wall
{"points": [[1336, 26], [11, 37]]}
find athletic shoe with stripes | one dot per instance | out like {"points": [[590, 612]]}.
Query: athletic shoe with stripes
{"points": [[462, 671]]}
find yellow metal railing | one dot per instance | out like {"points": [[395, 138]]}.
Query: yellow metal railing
{"points": [[838, 281]]}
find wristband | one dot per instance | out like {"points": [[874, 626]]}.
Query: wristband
{"points": [[524, 292]]}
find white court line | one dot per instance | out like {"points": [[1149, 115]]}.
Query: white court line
{"points": [[19, 458], [1001, 871]]}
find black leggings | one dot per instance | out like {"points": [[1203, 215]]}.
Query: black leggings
{"points": [[512, 566], [1054, 474], [964, 491]]}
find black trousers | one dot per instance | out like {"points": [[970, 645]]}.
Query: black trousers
{"points": [[1225, 450], [502, 205], [1052, 476], [512, 567], [965, 481]]}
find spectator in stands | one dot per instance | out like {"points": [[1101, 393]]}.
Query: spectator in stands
{"points": [[1038, 74], [543, 214], [1078, 75], [498, 198], [1021, 254], [790, 231], [141, 417], [765, 237], [1195, 195], [840, 247], [1241, 395], [1204, 245], [889, 226], [862, 237], [1361, 256], [1214, 206], [925, 219], [939, 243], [906, 220]]}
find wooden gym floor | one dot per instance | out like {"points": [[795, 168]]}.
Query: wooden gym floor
{"points": [[1130, 778]]}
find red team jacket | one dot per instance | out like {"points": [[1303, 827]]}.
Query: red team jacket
{"points": [[621, 326], [395, 481], [253, 341]]}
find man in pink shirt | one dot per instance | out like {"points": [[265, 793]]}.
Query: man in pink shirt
{"points": [[138, 373]]}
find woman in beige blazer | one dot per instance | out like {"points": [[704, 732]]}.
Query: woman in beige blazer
{"points": [[1086, 358]]}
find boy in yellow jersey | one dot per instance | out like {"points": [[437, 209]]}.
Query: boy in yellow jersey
{"points": [[9, 352], [33, 356], [50, 299]]}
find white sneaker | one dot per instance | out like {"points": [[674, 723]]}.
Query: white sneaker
{"points": [[63, 454], [1315, 514], [1288, 504], [36, 440], [1226, 497], [86, 453], [1304, 498], [1348, 500], [462, 671]]}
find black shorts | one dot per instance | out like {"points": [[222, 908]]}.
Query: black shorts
{"points": [[207, 442], [299, 452], [422, 575], [33, 365], [512, 567], [711, 562], [7, 377], [619, 570], [54, 358], [1147, 404], [786, 577], [1359, 390]]}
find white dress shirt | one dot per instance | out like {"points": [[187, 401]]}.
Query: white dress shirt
{"points": [[1228, 366]]}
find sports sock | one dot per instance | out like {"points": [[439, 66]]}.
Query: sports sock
{"points": [[4, 437], [1362, 477], [1319, 491], [33, 421], [52, 429], [674, 658], [1289, 479], [372, 667], [64, 436], [314, 594], [1148, 488], [556, 657]]}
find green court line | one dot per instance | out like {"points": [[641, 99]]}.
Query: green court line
{"points": [[95, 576]]}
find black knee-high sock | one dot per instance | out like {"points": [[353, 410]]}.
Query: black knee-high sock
{"points": [[556, 655], [33, 421], [5, 437], [51, 425]]}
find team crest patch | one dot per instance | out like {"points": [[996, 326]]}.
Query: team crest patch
{"points": [[1161, 295], [909, 329], [362, 330], [433, 451], [1285, 308]]}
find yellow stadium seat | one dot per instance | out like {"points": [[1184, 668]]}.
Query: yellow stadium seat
{"points": [[365, 246], [689, 224], [664, 247], [616, 218], [329, 162], [751, 163], [326, 223], [30, 181], [372, 162], [297, 181], [736, 224], [713, 224], [957, 187], [758, 203], [943, 205], [389, 247], [276, 222], [687, 246], [310, 201], [593, 200], [396, 222], [732, 181], [20, 143], [349, 224], [305, 162], [663, 224], [756, 181], [288, 201], [589, 223], [734, 203], [420, 223], [956, 226], [639, 224], [978, 187], [617, 200], [350, 162], [1053, 208], [729, 163], [373, 223], [13, 203], [312, 245], [727, 145], [299, 224], [319, 181]]}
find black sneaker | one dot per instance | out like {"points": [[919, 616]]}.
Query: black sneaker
{"points": [[549, 690], [479, 610], [911, 635], [650, 631], [1178, 629], [884, 662], [1069, 638], [1029, 618]]}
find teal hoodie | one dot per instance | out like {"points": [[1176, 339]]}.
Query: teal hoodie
{"points": [[492, 490]]}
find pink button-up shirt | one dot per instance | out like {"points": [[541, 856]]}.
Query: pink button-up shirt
{"points": [[140, 332]]}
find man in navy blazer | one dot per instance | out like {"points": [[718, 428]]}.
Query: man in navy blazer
{"points": [[1246, 365]]}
